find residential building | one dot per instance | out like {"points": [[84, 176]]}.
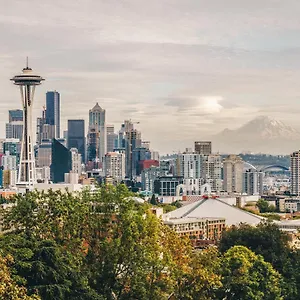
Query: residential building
{"points": [[253, 182], [9, 162], [188, 165], [14, 128], [76, 159], [233, 167], [115, 166], [53, 111], [148, 177], [211, 171], [295, 173], [203, 147], [76, 136]]}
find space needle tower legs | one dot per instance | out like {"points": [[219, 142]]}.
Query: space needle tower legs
{"points": [[27, 81]]}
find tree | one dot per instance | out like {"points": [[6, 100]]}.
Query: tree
{"points": [[269, 241], [263, 206], [246, 275], [9, 289], [153, 200]]}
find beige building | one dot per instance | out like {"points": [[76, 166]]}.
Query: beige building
{"points": [[198, 228], [233, 167], [115, 165], [211, 171]]}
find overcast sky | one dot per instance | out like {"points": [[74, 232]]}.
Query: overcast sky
{"points": [[185, 69]]}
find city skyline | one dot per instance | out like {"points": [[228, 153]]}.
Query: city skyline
{"points": [[189, 76]]}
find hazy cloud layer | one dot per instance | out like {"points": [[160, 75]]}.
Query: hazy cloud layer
{"points": [[184, 69]]}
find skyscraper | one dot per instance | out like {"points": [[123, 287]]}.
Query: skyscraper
{"points": [[76, 136], [295, 173], [189, 165], [27, 82], [233, 167], [203, 147], [133, 140], [61, 161], [53, 111], [111, 138], [14, 128], [97, 134], [115, 165]]}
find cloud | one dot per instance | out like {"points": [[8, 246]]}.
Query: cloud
{"points": [[182, 68]]}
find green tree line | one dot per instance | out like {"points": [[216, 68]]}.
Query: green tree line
{"points": [[103, 245]]}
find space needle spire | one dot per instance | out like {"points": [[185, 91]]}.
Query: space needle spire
{"points": [[27, 81]]}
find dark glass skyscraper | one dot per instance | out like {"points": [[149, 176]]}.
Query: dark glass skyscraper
{"points": [[53, 111], [76, 136], [61, 161]]}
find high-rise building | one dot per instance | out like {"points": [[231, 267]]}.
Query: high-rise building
{"points": [[211, 171], [188, 165], [295, 173], [76, 136], [253, 182], [44, 153], [203, 147], [111, 138], [76, 159], [53, 111], [14, 128], [61, 161], [115, 165], [146, 144], [27, 82], [132, 141], [97, 134], [149, 176], [139, 155], [9, 162], [233, 167]]}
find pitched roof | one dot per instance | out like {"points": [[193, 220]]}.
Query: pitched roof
{"points": [[215, 208], [97, 107]]}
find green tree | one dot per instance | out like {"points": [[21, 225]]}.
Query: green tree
{"points": [[9, 289], [264, 206], [246, 275], [153, 200]]}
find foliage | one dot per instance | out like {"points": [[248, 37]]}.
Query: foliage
{"points": [[9, 289], [264, 206], [103, 245], [267, 240], [271, 216], [247, 276]]}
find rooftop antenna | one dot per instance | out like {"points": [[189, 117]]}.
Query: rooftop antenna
{"points": [[26, 62]]}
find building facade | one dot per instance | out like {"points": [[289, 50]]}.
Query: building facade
{"points": [[203, 147], [295, 173], [253, 182], [115, 166], [211, 171], [53, 111], [189, 165], [76, 136], [111, 138], [233, 167]]}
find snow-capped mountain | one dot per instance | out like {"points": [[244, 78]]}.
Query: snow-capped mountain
{"points": [[261, 134]]}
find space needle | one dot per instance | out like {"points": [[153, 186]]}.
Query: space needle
{"points": [[27, 81]]}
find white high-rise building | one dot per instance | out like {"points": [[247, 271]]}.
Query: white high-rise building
{"points": [[211, 171], [76, 161], [233, 167], [115, 165], [188, 165], [295, 173], [9, 162]]}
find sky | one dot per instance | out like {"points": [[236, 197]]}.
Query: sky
{"points": [[184, 69]]}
